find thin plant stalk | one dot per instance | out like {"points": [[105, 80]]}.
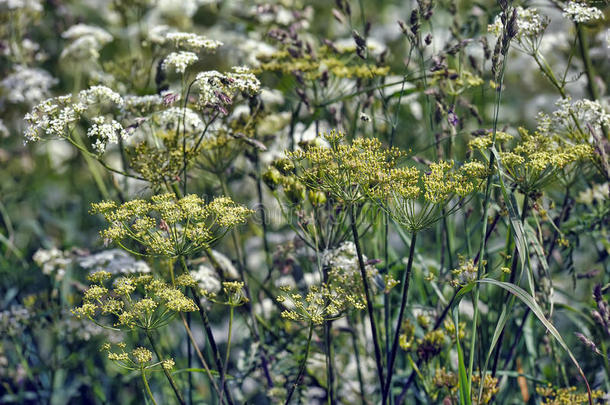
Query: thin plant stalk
{"points": [[482, 247], [200, 355], [228, 353], [168, 375], [208, 330], [301, 368], [146, 386], [403, 304], [243, 272], [369, 302]]}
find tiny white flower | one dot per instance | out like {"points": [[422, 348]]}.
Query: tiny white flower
{"points": [[179, 61], [105, 132]]}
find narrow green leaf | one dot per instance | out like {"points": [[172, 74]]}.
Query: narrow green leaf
{"points": [[528, 300]]}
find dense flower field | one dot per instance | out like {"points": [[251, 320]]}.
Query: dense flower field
{"points": [[304, 202]]}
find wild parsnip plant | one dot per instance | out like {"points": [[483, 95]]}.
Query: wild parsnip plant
{"points": [[349, 202]]}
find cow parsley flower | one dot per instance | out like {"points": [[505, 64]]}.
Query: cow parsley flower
{"points": [[192, 42], [581, 13], [105, 132], [86, 43], [81, 30], [143, 104], [217, 89], [114, 261], [590, 116], [530, 23], [100, 95], [53, 262], [29, 5], [51, 118], [179, 61], [170, 118], [27, 85], [4, 132]]}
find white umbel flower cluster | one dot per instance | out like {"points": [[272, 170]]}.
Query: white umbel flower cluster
{"points": [[191, 42], [27, 85], [51, 118], [54, 117], [208, 278], [115, 261], [53, 262], [179, 61], [217, 89], [530, 23], [87, 41], [170, 118], [100, 95], [105, 132], [82, 30], [345, 258], [29, 5], [561, 121], [581, 13], [143, 104]]}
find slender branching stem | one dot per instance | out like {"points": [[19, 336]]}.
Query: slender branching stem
{"points": [[369, 302], [403, 304], [204, 363], [208, 330], [146, 386], [228, 353], [168, 375], [301, 368]]}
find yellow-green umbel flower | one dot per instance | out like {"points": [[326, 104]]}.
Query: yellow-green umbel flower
{"points": [[170, 227], [140, 358], [536, 159], [348, 173], [416, 200], [133, 302], [322, 303]]}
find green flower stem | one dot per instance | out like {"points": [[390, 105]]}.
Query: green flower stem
{"points": [[301, 368], [228, 353], [387, 308], [369, 302], [330, 377], [443, 315], [166, 372], [354, 336], [150, 395], [482, 247], [208, 330], [243, 272], [403, 304]]}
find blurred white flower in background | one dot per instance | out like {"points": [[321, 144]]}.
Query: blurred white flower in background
{"points": [[27, 85], [581, 13]]}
